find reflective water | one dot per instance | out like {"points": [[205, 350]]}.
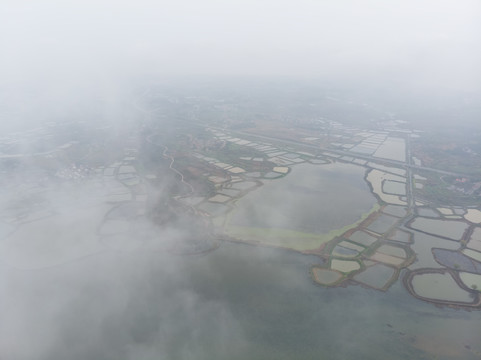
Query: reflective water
{"points": [[439, 286], [312, 198], [450, 229], [238, 302]]}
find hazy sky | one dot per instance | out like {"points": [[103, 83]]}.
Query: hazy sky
{"points": [[426, 41]]}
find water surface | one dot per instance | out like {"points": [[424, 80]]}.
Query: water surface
{"points": [[312, 199], [238, 302]]}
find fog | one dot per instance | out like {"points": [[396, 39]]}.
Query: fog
{"points": [[89, 269], [60, 55], [431, 43]]}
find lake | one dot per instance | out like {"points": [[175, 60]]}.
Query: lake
{"points": [[312, 199], [238, 302]]}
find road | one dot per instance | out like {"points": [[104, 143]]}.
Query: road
{"points": [[409, 177], [388, 162]]}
